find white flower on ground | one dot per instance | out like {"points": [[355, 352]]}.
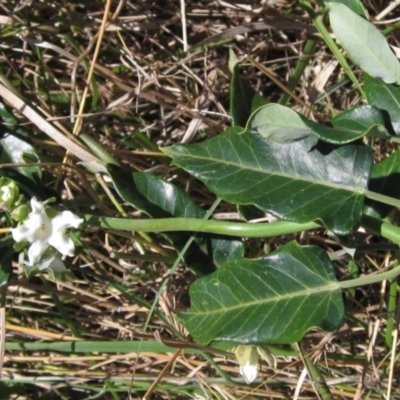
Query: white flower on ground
{"points": [[247, 356], [248, 361], [42, 231]]}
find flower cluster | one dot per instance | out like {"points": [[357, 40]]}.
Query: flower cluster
{"points": [[42, 232]]}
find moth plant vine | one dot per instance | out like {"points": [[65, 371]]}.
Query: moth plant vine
{"points": [[275, 160], [308, 175]]}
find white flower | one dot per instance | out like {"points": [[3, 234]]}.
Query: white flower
{"points": [[42, 231], [249, 371], [248, 355], [248, 361]]}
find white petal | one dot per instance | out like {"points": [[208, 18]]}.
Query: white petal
{"points": [[66, 219], [36, 227], [249, 372], [23, 232], [36, 250], [62, 243], [37, 206]]}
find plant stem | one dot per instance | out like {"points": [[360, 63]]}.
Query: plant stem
{"points": [[238, 229], [382, 228], [367, 280], [315, 374], [308, 51], [331, 44], [391, 201], [391, 308]]}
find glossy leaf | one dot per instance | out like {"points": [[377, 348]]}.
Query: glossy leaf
{"points": [[301, 182], [385, 178], [243, 100], [272, 299], [384, 97], [366, 120], [365, 44], [160, 199]]}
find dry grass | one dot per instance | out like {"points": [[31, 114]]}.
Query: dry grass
{"points": [[127, 82]]}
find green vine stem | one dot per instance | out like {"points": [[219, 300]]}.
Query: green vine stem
{"points": [[369, 279], [237, 229], [331, 44], [391, 201], [383, 228], [315, 374]]}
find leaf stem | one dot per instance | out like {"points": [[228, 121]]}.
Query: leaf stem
{"points": [[382, 198], [372, 278], [237, 229]]}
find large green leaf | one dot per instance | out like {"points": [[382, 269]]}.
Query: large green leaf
{"points": [[384, 97], [365, 45], [301, 182], [272, 299], [385, 178], [160, 199]]}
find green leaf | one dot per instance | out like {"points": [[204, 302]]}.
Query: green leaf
{"points": [[161, 199], [283, 125], [354, 5], [278, 123], [384, 180], [384, 97], [272, 299], [243, 100], [300, 182], [361, 120], [365, 45]]}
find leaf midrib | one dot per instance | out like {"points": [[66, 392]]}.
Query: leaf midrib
{"points": [[303, 293], [352, 189]]}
